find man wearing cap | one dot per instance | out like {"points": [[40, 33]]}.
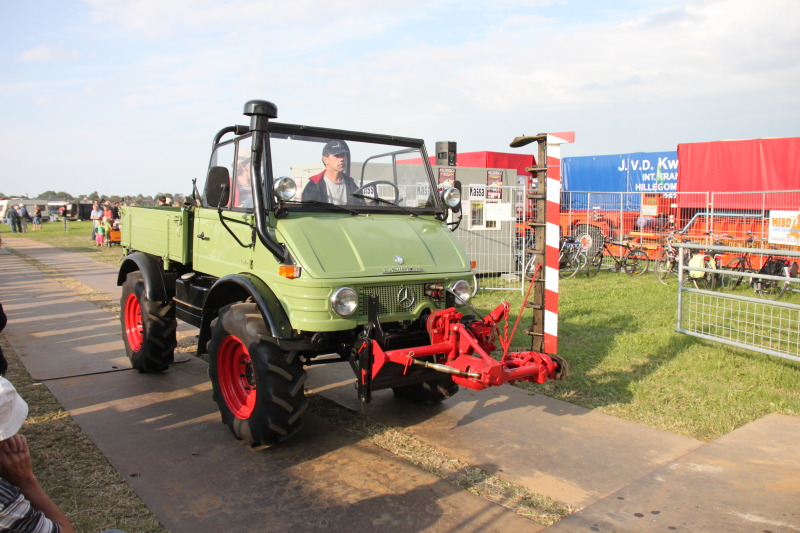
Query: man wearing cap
{"points": [[331, 185], [24, 506]]}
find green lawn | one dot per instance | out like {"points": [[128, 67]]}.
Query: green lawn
{"points": [[616, 332]]}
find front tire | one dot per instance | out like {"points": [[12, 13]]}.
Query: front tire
{"points": [[148, 327], [257, 386], [636, 263]]}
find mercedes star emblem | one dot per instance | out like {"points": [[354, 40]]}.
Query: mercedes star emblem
{"points": [[404, 298]]}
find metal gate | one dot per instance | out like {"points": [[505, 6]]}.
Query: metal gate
{"points": [[724, 306]]}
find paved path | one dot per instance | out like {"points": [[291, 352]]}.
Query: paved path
{"points": [[622, 476]]}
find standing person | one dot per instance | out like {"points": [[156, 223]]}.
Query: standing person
{"points": [[96, 216], [100, 232], [13, 218], [24, 218], [37, 217], [115, 211], [107, 230], [332, 184], [107, 211], [24, 506]]}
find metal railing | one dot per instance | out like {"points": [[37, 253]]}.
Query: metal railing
{"points": [[731, 311]]}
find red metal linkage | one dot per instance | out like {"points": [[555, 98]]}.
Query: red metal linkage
{"points": [[463, 351]]}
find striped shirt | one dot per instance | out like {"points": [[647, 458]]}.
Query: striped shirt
{"points": [[16, 513]]}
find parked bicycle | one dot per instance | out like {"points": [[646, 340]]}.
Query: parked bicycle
{"points": [[633, 260], [703, 279], [772, 288], [571, 258], [666, 264], [743, 262]]}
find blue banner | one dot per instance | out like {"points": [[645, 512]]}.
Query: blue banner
{"points": [[650, 172]]}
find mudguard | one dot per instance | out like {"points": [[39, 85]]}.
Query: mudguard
{"points": [[155, 285], [238, 288]]}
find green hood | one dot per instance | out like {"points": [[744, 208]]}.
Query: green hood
{"points": [[335, 246]]}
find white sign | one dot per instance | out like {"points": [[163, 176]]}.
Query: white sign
{"points": [[477, 192], [784, 227], [499, 212]]}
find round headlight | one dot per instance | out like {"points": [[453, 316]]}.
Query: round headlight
{"points": [[451, 197], [462, 290], [344, 302], [285, 189]]}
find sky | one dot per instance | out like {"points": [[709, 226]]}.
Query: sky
{"points": [[124, 97]]}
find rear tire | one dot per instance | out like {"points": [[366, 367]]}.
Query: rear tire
{"points": [[257, 386], [148, 327], [590, 237]]}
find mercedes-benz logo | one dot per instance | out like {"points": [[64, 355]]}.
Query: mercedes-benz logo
{"points": [[399, 260], [405, 298]]}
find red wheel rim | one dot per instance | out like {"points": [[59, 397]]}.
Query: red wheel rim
{"points": [[236, 379], [134, 330]]}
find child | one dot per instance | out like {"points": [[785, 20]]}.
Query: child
{"points": [[100, 232], [107, 232]]}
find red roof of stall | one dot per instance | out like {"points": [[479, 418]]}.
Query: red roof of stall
{"points": [[739, 166], [520, 162]]}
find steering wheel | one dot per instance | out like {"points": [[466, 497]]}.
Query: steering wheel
{"points": [[374, 186]]}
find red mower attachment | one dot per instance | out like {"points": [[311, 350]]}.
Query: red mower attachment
{"points": [[463, 350]]}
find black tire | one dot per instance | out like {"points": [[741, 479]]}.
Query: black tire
{"points": [[591, 237], [737, 265], [636, 262], [257, 386], [568, 264], [428, 392], [593, 267], [666, 266], [148, 327]]}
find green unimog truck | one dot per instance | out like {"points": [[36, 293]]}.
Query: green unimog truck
{"points": [[361, 264]]}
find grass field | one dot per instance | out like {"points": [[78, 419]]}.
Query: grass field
{"points": [[616, 332]]}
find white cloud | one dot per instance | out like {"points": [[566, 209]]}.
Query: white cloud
{"points": [[45, 52]]}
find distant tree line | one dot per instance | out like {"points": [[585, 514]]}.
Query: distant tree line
{"points": [[139, 199]]}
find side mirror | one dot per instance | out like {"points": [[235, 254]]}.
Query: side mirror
{"points": [[217, 190]]}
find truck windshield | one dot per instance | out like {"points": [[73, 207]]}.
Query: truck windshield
{"points": [[359, 173]]}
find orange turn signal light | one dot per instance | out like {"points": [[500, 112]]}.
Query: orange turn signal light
{"points": [[289, 271], [473, 264]]}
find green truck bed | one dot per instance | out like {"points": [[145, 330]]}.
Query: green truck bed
{"points": [[161, 231]]}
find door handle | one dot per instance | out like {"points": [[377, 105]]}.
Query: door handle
{"points": [[203, 237]]}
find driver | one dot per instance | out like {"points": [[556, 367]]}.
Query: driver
{"points": [[332, 184]]}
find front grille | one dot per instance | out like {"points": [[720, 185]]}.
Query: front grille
{"points": [[388, 299]]}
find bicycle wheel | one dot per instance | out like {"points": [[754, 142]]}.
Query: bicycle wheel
{"points": [[736, 264], [593, 267], [666, 266], [568, 265], [636, 263]]}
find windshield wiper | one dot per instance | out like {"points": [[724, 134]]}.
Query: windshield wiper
{"points": [[328, 205], [384, 201]]}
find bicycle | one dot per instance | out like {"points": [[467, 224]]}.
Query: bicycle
{"points": [[666, 264], [634, 261], [743, 263], [707, 280], [772, 288], [571, 257]]}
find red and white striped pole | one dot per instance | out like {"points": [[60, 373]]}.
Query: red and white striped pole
{"points": [[552, 236]]}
